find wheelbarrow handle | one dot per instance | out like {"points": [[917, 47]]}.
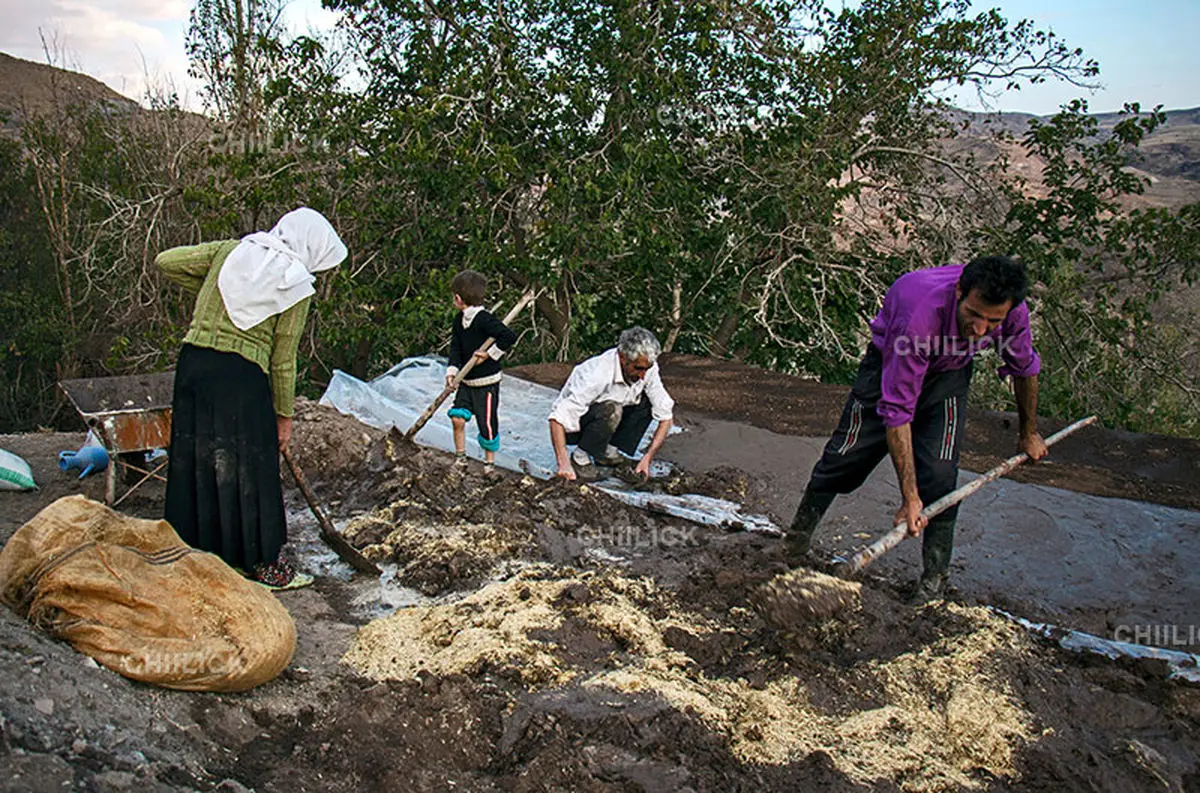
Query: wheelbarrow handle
{"points": [[894, 537]]}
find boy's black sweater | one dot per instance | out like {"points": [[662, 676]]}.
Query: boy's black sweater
{"points": [[465, 341]]}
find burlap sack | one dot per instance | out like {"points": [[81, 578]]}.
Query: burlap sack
{"points": [[132, 595]]}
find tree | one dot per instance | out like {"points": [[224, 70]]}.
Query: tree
{"points": [[232, 46], [108, 181], [29, 304], [1101, 272], [745, 177], [690, 167]]}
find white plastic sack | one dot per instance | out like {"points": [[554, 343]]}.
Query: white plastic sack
{"points": [[15, 473], [1181, 665]]}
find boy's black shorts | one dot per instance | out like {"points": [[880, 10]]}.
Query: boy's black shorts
{"points": [[482, 402]]}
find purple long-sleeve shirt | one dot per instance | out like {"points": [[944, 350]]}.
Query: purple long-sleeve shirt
{"points": [[917, 333]]}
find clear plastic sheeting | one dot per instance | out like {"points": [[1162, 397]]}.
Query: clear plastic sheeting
{"points": [[1181, 665], [398, 397], [698, 509]]}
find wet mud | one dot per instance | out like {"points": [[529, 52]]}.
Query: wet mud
{"points": [[564, 641]]}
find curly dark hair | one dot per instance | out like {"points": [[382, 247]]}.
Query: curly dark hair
{"points": [[470, 286], [998, 279]]}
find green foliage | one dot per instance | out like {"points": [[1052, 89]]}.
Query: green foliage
{"points": [[745, 178], [677, 166], [30, 312], [1101, 272]]}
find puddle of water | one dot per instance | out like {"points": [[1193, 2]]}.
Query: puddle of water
{"points": [[369, 598]]}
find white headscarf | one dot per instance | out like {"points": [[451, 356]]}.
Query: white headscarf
{"points": [[271, 271]]}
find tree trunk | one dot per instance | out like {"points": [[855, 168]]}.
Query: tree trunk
{"points": [[554, 308], [362, 358], [729, 326], [676, 315], [556, 311]]}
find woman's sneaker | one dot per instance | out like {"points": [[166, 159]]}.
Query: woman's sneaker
{"points": [[280, 575]]}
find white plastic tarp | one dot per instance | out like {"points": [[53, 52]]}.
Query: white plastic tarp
{"points": [[1181, 665], [400, 395]]}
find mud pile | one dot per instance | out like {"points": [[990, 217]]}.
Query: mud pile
{"points": [[582, 644], [448, 527], [722, 481], [938, 714], [329, 446]]}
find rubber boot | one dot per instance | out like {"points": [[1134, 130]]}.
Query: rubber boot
{"points": [[798, 538], [936, 549]]}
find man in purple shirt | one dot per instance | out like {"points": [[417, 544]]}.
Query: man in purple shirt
{"points": [[910, 399]]}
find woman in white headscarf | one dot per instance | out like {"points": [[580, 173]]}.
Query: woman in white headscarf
{"points": [[235, 388]]}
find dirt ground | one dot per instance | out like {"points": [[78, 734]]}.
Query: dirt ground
{"points": [[552, 639], [1156, 468]]}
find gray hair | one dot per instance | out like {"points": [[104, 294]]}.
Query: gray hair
{"points": [[637, 341]]}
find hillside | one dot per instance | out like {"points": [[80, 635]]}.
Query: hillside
{"points": [[28, 88], [1169, 158]]}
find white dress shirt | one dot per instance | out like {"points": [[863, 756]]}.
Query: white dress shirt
{"points": [[599, 379]]}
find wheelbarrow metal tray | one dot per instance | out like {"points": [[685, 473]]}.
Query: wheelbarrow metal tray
{"points": [[131, 412]]}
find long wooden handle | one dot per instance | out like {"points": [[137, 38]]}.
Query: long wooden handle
{"points": [[348, 553], [893, 538], [424, 418]]}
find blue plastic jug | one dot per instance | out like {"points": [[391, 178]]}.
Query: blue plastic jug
{"points": [[88, 459]]}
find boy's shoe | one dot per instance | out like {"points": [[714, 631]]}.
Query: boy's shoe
{"points": [[491, 472], [580, 458], [460, 462]]}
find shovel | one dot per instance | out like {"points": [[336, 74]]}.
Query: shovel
{"points": [[808, 594], [525, 300], [348, 553]]}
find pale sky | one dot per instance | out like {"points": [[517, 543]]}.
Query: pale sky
{"points": [[1146, 48], [123, 43]]}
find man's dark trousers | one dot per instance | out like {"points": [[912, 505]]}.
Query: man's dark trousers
{"points": [[607, 423], [860, 442]]}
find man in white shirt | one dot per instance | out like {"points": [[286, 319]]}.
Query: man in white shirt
{"points": [[606, 405]]}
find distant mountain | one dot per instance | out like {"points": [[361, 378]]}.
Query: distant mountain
{"points": [[1170, 152], [27, 87], [1175, 149]]}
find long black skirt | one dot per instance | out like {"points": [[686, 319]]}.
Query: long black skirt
{"points": [[223, 489]]}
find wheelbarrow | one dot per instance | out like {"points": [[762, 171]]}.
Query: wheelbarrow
{"points": [[132, 415]]}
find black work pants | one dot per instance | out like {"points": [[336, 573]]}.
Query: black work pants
{"points": [[860, 442], [607, 423]]}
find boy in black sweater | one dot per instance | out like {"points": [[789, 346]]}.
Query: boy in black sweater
{"points": [[479, 393]]}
